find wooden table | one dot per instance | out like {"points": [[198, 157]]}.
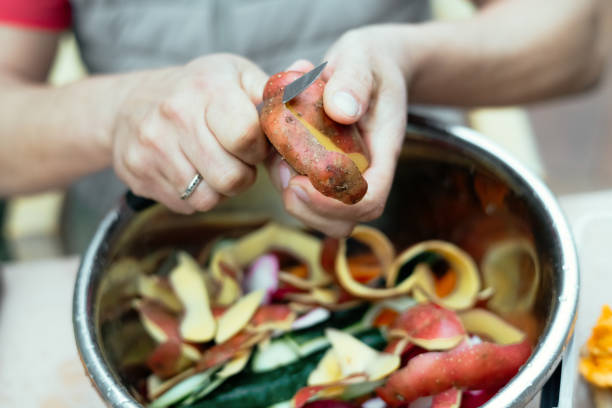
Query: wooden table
{"points": [[40, 367]]}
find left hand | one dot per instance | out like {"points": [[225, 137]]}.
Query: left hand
{"points": [[366, 86]]}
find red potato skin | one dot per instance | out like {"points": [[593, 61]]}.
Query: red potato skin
{"points": [[332, 173], [450, 398], [222, 353], [164, 361], [270, 313], [484, 365], [166, 321], [429, 321]]}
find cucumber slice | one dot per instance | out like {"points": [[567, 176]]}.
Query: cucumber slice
{"points": [[338, 320], [300, 343], [260, 390], [286, 350], [249, 390], [278, 353], [284, 404], [212, 385], [182, 389], [361, 389], [312, 346]]}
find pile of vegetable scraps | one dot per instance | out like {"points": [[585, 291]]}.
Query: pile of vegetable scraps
{"points": [[280, 317]]}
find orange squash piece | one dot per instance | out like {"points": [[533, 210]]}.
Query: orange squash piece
{"points": [[596, 364]]}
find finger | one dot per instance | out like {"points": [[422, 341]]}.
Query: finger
{"points": [[328, 206], [279, 171], [223, 172], [383, 129], [331, 227], [234, 121], [164, 156], [204, 198], [153, 186], [301, 65], [349, 86], [252, 79], [179, 173]]}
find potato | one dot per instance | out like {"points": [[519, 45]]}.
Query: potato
{"points": [[332, 155]]}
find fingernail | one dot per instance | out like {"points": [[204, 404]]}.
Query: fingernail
{"points": [[285, 174], [300, 193], [346, 103]]}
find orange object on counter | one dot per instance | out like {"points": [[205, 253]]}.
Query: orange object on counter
{"points": [[596, 364]]}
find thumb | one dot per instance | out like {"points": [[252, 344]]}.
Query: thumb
{"points": [[301, 65], [348, 89]]}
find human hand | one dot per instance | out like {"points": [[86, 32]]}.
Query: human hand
{"points": [[365, 85], [195, 119]]}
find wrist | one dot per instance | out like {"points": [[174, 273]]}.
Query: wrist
{"points": [[419, 44]]}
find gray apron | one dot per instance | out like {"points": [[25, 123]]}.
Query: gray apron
{"points": [[127, 35]]}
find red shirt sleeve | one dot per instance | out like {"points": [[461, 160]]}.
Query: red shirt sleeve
{"points": [[52, 15]]}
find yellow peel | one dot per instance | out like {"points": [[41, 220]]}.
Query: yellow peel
{"points": [[328, 370], [384, 252], [466, 290], [512, 269], [283, 325], [356, 357], [446, 343], [158, 334], [400, 345], [421, 282], [190, 352], [235, 365], [358, 158], [483, 322], [383, 365], [353, 355], [150, 286], [237, 316], [378, 242], [153, 329], [230, 291], [273, 236], [187, 281], [315, 296]]}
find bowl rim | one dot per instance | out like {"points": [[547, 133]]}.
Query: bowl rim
{"points": [[521, 388], [557, 336]]}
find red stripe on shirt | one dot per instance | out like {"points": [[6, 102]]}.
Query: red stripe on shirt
{"points": [[41, 14]]}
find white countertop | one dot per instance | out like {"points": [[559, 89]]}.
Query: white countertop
{"points": [[590, 217]]}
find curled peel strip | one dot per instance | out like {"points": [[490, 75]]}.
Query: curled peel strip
{"points": [[274, 236], [463, 295]]}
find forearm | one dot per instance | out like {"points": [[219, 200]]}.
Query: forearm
{"points": [[51, 136], [513, 51]]}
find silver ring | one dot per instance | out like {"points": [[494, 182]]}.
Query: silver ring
{"points": [[193, 184]]}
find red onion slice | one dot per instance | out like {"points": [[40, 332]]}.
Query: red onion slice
{"points": [[263, 274]]}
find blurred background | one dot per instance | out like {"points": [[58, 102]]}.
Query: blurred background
{"points": [[567, 142]]}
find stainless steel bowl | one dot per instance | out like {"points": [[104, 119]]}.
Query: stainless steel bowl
{"points": [[427, 201]]}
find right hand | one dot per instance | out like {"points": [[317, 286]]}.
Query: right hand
{"points": [[198, 118]]}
